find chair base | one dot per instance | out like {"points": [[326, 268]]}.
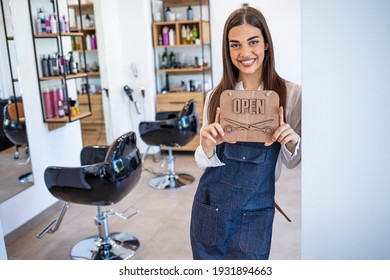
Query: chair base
{"points": [[119, 246], [168, 181], [26, 178]]}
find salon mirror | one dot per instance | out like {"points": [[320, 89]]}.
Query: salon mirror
{"points": [[15, 163]]}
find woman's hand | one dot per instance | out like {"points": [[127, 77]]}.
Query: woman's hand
{"points": [[212, 135], [284, 134]]}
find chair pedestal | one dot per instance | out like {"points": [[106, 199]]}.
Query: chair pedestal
{"points": [[171, 179], [106, 245]]}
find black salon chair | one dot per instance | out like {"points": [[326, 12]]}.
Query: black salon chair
{"points": [[14, 126], [175, 131], [106, 175]]}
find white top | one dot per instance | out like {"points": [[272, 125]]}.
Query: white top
{"points": [[293, 118]]}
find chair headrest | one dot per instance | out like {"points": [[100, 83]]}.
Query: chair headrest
{"points": [[188, 109], [15, 111], [123, 145]]}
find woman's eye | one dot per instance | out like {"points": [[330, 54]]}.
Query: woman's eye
{"points": [[253, 43], [234, 46]]}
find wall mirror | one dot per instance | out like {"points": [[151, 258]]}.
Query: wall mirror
{"points": [[15, 162]]}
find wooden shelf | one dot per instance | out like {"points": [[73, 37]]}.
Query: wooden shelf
{"points": [[184, 70], [93, 74], [66, 118], [85, 29], [203, 31], [181, 45], [68, 77], [179, 3], [55, 35], [84, 5]]}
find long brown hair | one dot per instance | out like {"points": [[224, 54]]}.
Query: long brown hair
{"points": [[271, 79]]}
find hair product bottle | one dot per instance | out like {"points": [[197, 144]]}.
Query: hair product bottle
{"points": [[190, 13], [50, 65], [41, 16], [171, 37], [48, 26], [168, 13], [45, 66], [53, 24], [195, 33], [54, 101], [183, 34], [47, 104], [164, 60], [72, 64], [88, 42], [38, 27], [93, 42], [61, 110], [172, 60], [165, 31]]}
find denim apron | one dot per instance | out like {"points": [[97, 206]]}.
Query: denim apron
{"points": [[233, 209]]}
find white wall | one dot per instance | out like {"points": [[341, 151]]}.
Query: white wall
{"points": [[345, 162], [283, 18], [59, 147], [124, 38], [3, 251]]}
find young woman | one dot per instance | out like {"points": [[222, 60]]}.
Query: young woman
{"points": [[234, 206]]}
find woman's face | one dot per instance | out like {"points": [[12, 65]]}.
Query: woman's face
{"points": [[246, 46]]}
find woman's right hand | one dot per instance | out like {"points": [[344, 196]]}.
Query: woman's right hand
{"points": [[212, 135]]}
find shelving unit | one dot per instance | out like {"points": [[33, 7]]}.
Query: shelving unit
{"points": [[62, 83], [15, 96], [9, 39], [189, 75], [93, 129]]}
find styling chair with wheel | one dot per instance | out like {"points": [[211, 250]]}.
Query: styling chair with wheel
{"points": [[14, 126], [106, 175], [175, 131]]}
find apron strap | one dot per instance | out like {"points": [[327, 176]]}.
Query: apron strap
{"points": [[281, 212]]}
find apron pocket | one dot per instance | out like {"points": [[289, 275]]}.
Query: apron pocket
{"points": [[204, 223], [243, 166], [256, 231]]}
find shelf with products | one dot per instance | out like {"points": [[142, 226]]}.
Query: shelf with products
{"points": [[57, 69], [182, 54], [82, 19], [13, 89], [181, 33]]}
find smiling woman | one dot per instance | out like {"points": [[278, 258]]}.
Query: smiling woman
{"points": [[234, 206]]}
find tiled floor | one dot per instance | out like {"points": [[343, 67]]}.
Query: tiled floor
{"points": [[162, 226]]}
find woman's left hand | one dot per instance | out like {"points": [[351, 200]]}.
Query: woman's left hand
{"points": [[284, 134]]}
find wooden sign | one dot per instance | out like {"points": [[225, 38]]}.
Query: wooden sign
{"points": [[249, 116]]}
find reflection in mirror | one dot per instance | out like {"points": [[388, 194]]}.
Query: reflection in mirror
{"points": [[15, 163]]}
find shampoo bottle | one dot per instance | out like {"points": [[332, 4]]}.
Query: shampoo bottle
{"points": [[165, 32], [190, 13], [171, 37], [47, 104], [93, 42], [53, 24], [54, 101], [45, 67], [88, 42]]}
